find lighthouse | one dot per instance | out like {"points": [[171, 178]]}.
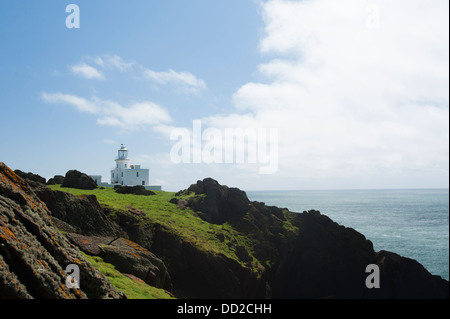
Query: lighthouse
{"points": [[126, 174], [122, 160]]}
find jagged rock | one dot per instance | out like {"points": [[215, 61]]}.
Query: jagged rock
{"points": [[305, 255], [34, 255], [89, 244], [127, 257], [221, 204], [57, 179], [314, 257], [403, 277], [197, 273], [136, 190], [30, 176], [83, 213], [76, 179]]}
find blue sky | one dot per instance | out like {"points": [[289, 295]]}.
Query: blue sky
{"points": [[358, 91]]}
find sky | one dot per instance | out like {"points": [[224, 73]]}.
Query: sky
{"points": [[260, 95]]}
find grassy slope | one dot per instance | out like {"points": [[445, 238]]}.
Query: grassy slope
{"points": [[185, 223], [133, 289]]}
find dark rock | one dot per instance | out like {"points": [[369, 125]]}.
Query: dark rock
{"points": [[89, 244], [129, 257], [197, 273], [242, 254], [83, 213], [57, 179], [30, 176], [405, 278], [34, 255], [76, 179], [311, 256], [136, 190], [325, 260], [300, 255], [221, 204]]}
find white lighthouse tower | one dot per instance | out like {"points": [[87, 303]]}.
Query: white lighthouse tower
{"points": [[126, 174], [122, 160]]}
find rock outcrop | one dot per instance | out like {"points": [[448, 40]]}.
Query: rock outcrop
{"points": [[57, 179], [310, 256], [220, 203], [271, 252], [34, 255], [88, 227], [136, 190], [198, 273], [127, 257], [76, 179], [30, 176], [83, 214]]}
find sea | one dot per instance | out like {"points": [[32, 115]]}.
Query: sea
{"points": [[413, 223]]}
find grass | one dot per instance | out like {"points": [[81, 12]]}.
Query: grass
{"points": [[217, 239], [132, 288]]}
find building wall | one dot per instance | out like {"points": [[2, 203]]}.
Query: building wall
{"points": [[96, 178], [130, 177]]}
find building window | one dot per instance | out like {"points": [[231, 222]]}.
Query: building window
{"points": [[122, 174], [143, 183], [112, 175], [137, 174], [125, 165]]}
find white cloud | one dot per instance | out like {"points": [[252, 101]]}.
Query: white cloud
{"points": [[87, 71], [354, 91], [113, 61], [80, 103], [184, 82], [185, 79], [135, 116]]}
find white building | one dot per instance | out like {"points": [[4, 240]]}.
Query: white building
{"points": [[126, 174]]}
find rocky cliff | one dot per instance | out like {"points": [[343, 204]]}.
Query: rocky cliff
{"points": [[310, 256], [266, 252], [34, 255]]}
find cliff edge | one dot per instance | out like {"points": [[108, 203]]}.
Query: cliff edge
{"points": [[34, 255], [307, 255], [207, 241]]}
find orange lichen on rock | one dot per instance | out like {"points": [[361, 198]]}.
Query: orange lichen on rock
{"points": [[77, 261], [17, 185], [42, 263], [6, 233], [63, 291], [134, 245]]}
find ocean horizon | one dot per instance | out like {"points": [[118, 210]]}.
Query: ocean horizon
{"points": [[413, 223]]}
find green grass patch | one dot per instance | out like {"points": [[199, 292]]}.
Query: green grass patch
{"points": [[185, 223], [132, 288]]}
